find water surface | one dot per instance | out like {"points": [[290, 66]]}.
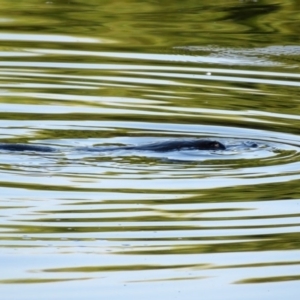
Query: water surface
{"points": [[176, 225]]}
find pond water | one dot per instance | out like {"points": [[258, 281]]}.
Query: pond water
{"points": [[185, 224]]}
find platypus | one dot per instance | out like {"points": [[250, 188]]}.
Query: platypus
{"points": [[165, 146]]}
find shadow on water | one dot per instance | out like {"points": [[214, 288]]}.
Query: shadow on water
{"points": [[126, 73]]}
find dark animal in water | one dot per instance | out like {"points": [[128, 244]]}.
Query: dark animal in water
{"points": [[166, 146], [26, 147]]}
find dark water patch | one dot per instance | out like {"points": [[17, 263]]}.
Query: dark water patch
{"points": [[287, 56]]}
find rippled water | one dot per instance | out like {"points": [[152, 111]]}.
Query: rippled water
{"points": [[176, 225]]}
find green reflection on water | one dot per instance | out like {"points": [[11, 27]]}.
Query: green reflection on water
{"points": [[269, 279], [37, 280], [120, 33]]}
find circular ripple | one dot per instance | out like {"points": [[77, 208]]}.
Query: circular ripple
{"points": [[255, 158], [244, 162]]}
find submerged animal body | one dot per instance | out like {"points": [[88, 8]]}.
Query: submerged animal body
{"points": [[165, 146], [26, 147]]}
